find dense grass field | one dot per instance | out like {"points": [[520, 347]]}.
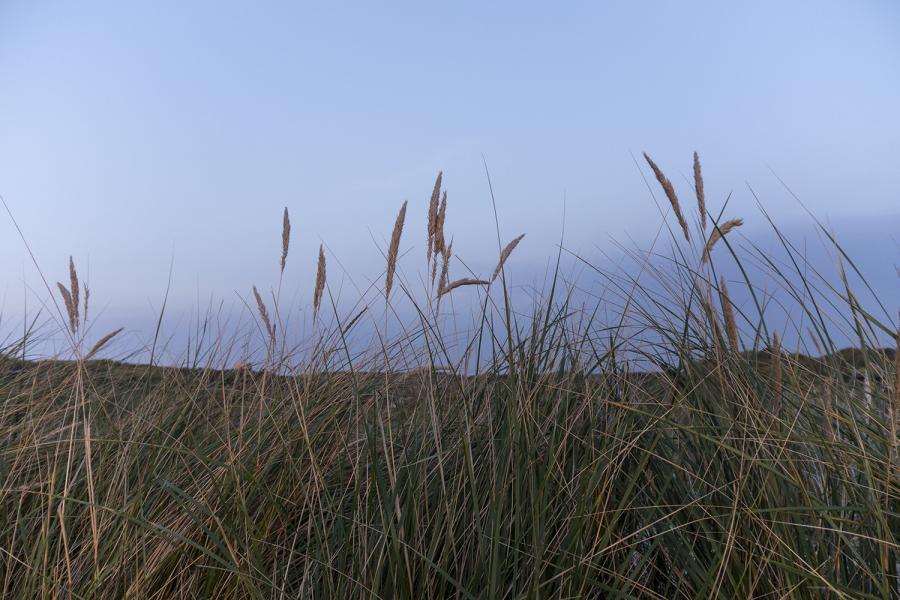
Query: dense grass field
{"points": [[691, 447]]}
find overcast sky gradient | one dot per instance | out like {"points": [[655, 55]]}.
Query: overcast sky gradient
{"points": [[134, 131]]}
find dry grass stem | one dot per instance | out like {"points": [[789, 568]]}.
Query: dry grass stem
{"points": [[102, 342], [826, 400], [353, 321], [701, 195], [459, 283], [895, 401], [776, 365], [670, 194], [285, 238], [505, 254], [264, 314], [717, 234], [728, 313], [320, 282], [393, 251]]}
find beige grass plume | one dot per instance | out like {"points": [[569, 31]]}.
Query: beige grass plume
{"points": [[70, 297], [264, 314], [393, 251], [440, 241], [102, 342], [701, 195], [505, 254], [87, 298], [717, 234], [285, 238], [670, 194], [70, 307], [459, 283], [445, 265], [728, 313], [433, 213], [73, 287], [320, 282]]}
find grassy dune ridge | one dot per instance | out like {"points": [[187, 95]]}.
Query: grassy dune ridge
{"points": [[679, 451]]}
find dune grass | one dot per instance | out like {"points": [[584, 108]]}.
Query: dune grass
{"points": [[677, 450]]}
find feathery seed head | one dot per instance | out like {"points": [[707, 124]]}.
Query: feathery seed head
{"points": [[717, 234], [102, 342], [320, 282], [461, 282], [670, 194], [728, 313], [264, 314], [432, 214], [285, 237], [393, 251], [505, 254], [701, 195]]}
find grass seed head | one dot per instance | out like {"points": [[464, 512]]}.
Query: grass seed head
{"points": [[670, 194], [320, 282], [393, 251], [285, 238], [433, 213], [102, 342], [728, 313], [717, 234], [264, 314], [701, 195], [461, 282], [505, 254]]}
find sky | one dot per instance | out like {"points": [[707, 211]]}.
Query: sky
{"points": [[155, 138]]}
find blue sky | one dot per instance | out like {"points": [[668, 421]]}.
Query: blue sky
{"points": [[134, 131]]}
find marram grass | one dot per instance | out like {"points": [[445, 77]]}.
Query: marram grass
{"points": [[682, 452]]}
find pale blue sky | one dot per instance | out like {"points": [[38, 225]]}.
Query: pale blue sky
{"points": [[132, 130]]}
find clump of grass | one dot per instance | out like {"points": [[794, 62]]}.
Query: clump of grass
{"points": [[541, 454]]}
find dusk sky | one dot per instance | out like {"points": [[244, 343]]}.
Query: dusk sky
{"points": [[135, 132]]}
